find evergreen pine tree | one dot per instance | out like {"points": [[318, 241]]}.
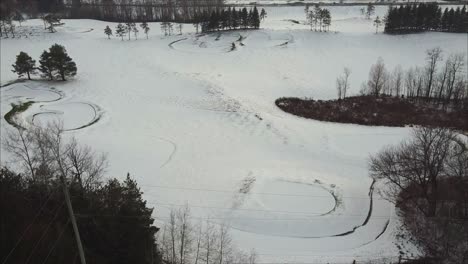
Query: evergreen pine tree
{"points": [[464, 21], [213, 23], [317, 16], [24, 65], [120, 30], [196, 21], [377, 23], [224, 20], [458, 20], [235, 18], [326, 16], [263, 14], [255, 18], [164, 28], [370, 10], [145, 28], [129, 28], [108, 31], [46, 66], [444, 20], [450, 20], [244, 18], [62, 64], [135, 30], [229, 18]]}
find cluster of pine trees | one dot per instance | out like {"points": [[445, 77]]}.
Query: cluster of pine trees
{"points": [[54, 63], [228, 19], [426, 17], [128, 28], [318, 18]]}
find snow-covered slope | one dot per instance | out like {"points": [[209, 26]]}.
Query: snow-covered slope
{"points": [[196, 123]]}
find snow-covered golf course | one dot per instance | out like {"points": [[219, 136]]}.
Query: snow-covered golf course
{"points": [[194, 121]]}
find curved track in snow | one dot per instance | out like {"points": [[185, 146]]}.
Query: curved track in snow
{"points": [[48, 105]]}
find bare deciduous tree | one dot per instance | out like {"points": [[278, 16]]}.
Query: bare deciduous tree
{"points": [[433, 56], [378, 77], [43, 154], [397, 81], [413, 169], [342, 83]]}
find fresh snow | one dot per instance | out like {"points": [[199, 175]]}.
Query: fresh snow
{"points": [[195, 122]]}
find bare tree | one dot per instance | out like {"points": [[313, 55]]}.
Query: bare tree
{"points": [[209, 242], [173, 235], [43, 153], [457, 63], [397, 81], [433, 56], [224, 240], [212, 244], [85, 166], [413, 169], [253, 256], [378, 77], [20, 144], [342, 83], [185, 233], [442, 80], [377, 23], [199, 240]]}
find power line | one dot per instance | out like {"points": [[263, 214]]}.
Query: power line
{"points": [[45, 232], [56, 241], [309, 214], [256, 193], [28, 227]]}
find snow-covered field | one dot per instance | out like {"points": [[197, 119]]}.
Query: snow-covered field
{"points": [[196, 123]]}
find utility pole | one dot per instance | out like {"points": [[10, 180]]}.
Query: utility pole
{"points": [[73, 220]]}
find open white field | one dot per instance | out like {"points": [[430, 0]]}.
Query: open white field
{"points": [[195, 122]]}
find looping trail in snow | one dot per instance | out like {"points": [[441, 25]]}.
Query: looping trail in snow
{"points": [[248, 181], [48, 102]]}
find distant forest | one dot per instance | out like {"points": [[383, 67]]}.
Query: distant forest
{"points": [[426, 17], [230, 19], [184, 11]]}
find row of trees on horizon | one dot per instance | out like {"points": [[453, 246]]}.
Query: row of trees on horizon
{"points": [[426, 17], [184, 11], [230, 19]]}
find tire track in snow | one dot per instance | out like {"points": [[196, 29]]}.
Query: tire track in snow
{"points": [[97, 111], [369, 213], [347, 233], [171, 45], [174, 146]]}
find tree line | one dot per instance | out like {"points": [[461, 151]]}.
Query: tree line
{"points": [[443, 83], [318, 18], [425, 17], [183, 241], [183, 11], [128, 28], [229, 19]]}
